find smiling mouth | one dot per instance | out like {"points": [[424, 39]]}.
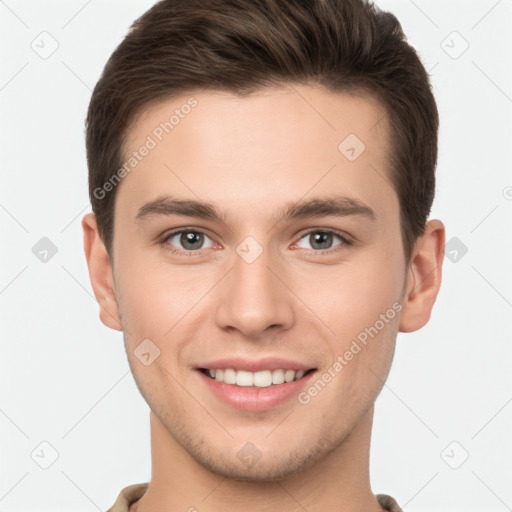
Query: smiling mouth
{"points": [[261, 379]]}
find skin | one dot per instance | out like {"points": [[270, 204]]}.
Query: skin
{"points": [[251, 156]]}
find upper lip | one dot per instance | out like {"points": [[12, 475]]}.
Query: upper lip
{"points": [[255, 365]]}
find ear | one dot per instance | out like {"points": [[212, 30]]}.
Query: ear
{"points": [[423, 277], [100, 273]]}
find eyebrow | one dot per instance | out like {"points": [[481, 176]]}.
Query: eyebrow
{"points": [[331, 206]]}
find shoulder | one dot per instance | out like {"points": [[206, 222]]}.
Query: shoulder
{"points": [[127, 497], [388, 503]]}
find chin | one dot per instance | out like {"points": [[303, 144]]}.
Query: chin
{"points": [[271, 466]]}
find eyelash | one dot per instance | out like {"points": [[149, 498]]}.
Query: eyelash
{"points": [[345, 242]]}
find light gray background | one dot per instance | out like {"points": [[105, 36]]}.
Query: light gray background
{"points": [[65, 377]]}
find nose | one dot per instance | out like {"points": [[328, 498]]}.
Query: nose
{"points": [[254, 298]]}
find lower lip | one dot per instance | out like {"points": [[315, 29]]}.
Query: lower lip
{"points": [[255, 399]]}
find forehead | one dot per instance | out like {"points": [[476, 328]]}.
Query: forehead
{"points": [[274, 144]]}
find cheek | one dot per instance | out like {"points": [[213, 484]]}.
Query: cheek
{"points": [[153, 296], [361, 306], [164, 304], [349, 298]]}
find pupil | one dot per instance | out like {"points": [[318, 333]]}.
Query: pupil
{"points": [[322, 240], [189, 239]]}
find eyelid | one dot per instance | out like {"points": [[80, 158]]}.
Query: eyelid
{"points": [[346, 240], [170, 234]]}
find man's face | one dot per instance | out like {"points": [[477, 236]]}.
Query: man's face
{"points": [[254, 285]]}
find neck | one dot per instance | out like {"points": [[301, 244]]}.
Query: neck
{"points": [[340, 481]]}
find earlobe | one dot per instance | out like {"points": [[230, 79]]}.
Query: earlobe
{"points": [[423, 278], [100, 273]]}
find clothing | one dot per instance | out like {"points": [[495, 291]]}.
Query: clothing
{"points": [[132, 493]]}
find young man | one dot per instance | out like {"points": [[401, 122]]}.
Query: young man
{"points": [[261, 174]]}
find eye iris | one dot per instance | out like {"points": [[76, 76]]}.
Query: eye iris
{"points": [[323, 240], [190, 238]]}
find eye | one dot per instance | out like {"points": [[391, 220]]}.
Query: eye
{"points": [[322, 240], [187, 241]]}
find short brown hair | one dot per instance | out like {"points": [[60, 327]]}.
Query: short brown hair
{"points": [[242, 46]]}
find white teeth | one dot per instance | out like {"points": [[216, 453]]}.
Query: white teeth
{"points": [[278, 377], [261, 379], [244, 378], [229, 376], [289, 375]]}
